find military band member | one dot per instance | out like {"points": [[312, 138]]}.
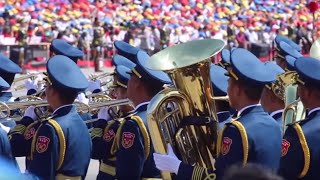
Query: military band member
{"points": [[300, 149], [284, 48], [8, 70], [272, 99], [5, 150], [57, 47], [56, 152], [105, 129], [220, 84], [123, 49], [132, 139], [244, 139]]}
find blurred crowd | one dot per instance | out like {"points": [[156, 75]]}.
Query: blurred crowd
{"points": [[153, 25]]}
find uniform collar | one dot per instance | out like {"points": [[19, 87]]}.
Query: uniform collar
{"points": [[243, 110], [313, 111], [141, 107], [223, 115], [276, 112], [62, 110]]}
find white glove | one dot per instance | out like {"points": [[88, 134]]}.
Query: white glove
{"points": [[30, 112], [93, 85], [103, 114], [169, 162], [31, 84], [5, 128], [82, 98]]}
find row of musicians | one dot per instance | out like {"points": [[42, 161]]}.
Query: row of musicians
{"points": [[116, 147]]}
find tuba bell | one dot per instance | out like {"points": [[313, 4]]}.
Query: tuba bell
{"points": [[287, 86], [188, 66]]}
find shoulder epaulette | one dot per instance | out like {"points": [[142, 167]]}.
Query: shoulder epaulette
{"points": [[243, 134], [305, 148], [61, 137], [142, 128]]}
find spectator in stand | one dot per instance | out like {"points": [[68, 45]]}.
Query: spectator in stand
{"points": [[241, 39], [128, 37], [155, 34]]}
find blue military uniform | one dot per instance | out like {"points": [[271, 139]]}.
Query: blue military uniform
{"points": [[104, 131], [132, 139], [63, 136], [61, 47], [244, 139], [275, 70], [220, 84], [8, 70], [5, 150], [300, 149]]}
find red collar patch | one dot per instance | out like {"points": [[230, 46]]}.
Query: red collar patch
{"points": [[29, 133], [285, 147], [109, 135], [127, 139], [42, 144], [226, 144]]}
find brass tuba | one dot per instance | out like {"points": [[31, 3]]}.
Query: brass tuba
{"points": [[294, 109], [188, 66]]}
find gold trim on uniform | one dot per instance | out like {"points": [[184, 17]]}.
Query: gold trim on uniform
{"points": [[145, 134], [107, 169], [143, 130], [280, 56], [33, 144], [64, 177], [197, 173], [219, 141], [62, 141], [300, 81], [121, 84], [96, 133], [222, 65], [233, 74], [18, 129], [305, 148], [268, 86], [136, 73], [244, 139]]}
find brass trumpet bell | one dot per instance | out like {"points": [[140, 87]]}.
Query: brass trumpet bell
{"points": [[188, 66]]}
